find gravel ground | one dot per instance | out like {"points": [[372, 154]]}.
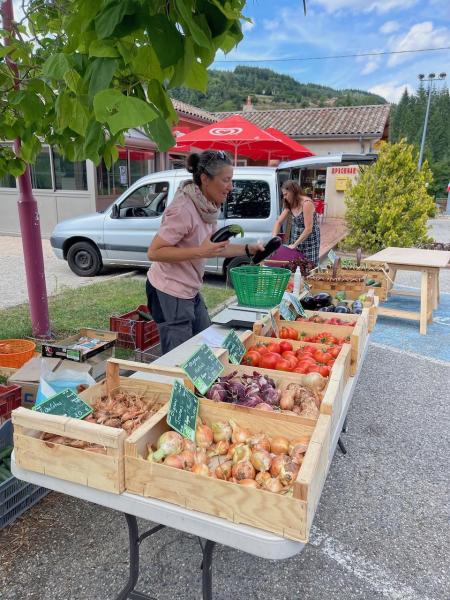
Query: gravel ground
{"points": [[380, 531]]}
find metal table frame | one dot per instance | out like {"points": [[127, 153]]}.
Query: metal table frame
{"points": [[241, 537]]}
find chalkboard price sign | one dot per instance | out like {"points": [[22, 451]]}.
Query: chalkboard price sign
{"points": [[183, 410], [65, 403], [235, 347], [203, 368]]}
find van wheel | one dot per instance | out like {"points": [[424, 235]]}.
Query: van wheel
{"points": [[238, 261], [84, 259]]}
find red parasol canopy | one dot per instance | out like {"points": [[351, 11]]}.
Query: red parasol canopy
{"points": [[236, 135], [299, 150], [178, 133]]}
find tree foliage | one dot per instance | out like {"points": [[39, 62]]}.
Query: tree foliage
{"points": [[91, 69], [228, 90], [389, 205], [407, 120]]}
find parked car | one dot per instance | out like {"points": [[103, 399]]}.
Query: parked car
{"points": [[122, 233]]}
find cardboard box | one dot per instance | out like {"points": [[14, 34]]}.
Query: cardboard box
{"points": [[78, 350], [28, 376]]}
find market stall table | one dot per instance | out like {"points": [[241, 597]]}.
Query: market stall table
{"points": [[212, 529], [428, 263]]}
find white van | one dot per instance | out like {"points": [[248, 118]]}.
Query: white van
{"points": [[122, 233]]}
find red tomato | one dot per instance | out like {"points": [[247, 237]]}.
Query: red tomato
{"points": [[262, 349], [303, 366], [283, 365], [274, 348], [288, 353], [293, 333], [251, 358], [324, 371], [309, 349], [292, 361], [269, 360], [301, 369], [285, 347], [314, 369], [284, 333], [322, 356], [334, 351], [253, 349]]}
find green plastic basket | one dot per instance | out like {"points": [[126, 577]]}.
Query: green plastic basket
{"points": [[259, 286]]}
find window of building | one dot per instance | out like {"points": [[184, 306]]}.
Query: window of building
{"points": [[248, 200], [69, 175], [131, 166], [41, 174], [149, 200], [141, 163]]}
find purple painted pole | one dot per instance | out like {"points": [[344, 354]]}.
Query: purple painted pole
{"points": [[29, 222]]}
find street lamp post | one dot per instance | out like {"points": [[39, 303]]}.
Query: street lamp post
{"points": [[431, 77]]}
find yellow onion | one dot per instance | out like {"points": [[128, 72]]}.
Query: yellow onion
{"points": [[259, 441], [241, 452], [279, 445], [287, 400], [168, 443], [275, 467], [200, 470], [288, 472], [248, 483], [240, 434], [189, 445], [262, 476], [219, 449], [221, 431], [315, 381], [243, 470], [174, 460], [261, 460], [188, 458], [150, 456], [273, 484], [297, 449], [203, 436], [223, 470], [200, 457]]}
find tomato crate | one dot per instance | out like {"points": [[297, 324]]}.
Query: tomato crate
{"points": [[16, 496], [134, 331], [10, 398]]}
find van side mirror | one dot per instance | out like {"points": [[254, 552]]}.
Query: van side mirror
{"points": [[115, 211]]}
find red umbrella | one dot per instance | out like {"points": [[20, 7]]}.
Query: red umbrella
{"points": [[299, 150], [236, 135], [179, 133]]}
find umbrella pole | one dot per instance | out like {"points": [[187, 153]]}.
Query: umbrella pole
{"points": [[235, 155]]}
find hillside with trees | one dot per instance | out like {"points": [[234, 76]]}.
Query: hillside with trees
{"points": [[228, 90], [407, 119]]}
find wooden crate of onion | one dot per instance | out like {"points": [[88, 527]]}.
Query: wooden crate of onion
{"points": [[263, 469]]}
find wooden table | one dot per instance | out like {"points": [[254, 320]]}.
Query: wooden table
{"points": [[427, 262]]}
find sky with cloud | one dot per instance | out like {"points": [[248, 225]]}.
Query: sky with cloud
{"points": [[279, 29]]}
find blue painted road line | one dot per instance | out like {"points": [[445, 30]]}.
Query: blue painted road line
{"points": [[404, 334]]}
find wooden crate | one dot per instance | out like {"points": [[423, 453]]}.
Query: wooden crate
{"points": [[325, 282], [289, 517], [249, 338], [357, 335], [370, 305], [100, 471], [376, 273]]}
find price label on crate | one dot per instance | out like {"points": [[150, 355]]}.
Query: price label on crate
{"points": [[332, 256], [183, 411], [65, 403], [297, 305], [203, 368], [235, 347]]}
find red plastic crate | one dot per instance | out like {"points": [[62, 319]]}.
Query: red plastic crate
{"points": [[133, 331], [10, 398]]}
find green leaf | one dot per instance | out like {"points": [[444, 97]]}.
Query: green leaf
{"points": [[160, 133], [166, 40], [127, 51], [103, 49], [158, 95], [94, 140], [71, 113], [198, 29], [29, 148], [16, 167], [121, 112], [100, 73], [72, 78], [110, 17], [197, 77], [146, 64], [56, 65]]}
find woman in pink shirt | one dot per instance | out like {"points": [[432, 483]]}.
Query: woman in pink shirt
{"points": [[180, 249]]}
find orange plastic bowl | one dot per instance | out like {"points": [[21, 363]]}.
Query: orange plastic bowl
{"points": [[15, 353]]}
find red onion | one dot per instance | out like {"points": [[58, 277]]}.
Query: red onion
{"points": [[264, 406]]}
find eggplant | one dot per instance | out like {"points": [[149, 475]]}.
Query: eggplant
{"points": [[357, 307], [341, 309], [225, 233], [322, 299], [272, 245], [308, 302]]}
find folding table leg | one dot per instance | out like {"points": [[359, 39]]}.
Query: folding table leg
{"points": [[342, 448], [424, 297], [345, 426], [207, 570]]}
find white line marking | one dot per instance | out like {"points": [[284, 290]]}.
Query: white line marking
{"points": [[411, 354], [378, 578]]}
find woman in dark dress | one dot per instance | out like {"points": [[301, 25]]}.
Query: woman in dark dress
{"points": [[304, 232]]}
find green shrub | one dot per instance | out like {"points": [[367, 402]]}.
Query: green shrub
{"points": [[389, 205]]}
